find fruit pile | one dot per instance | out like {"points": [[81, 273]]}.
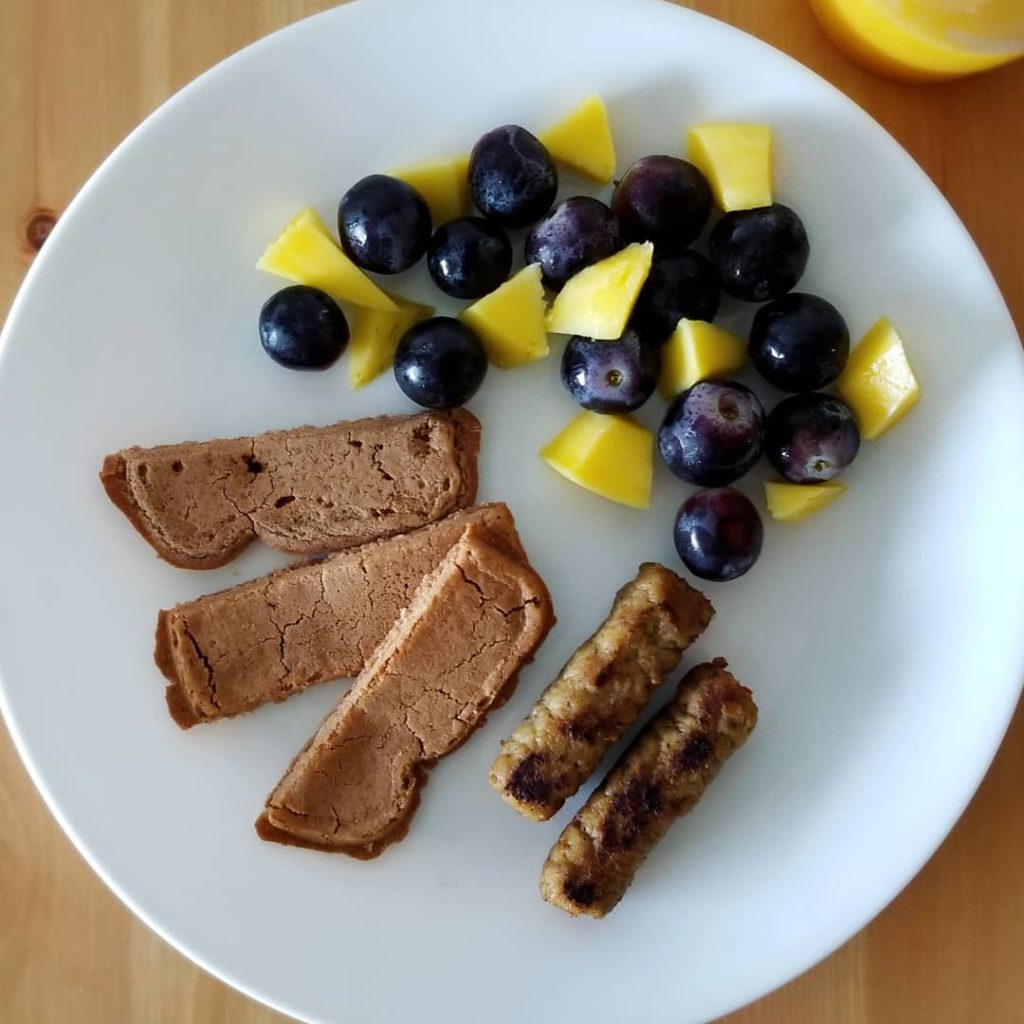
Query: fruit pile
{"points": [[634, 298]]}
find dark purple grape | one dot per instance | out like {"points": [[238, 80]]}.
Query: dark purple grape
{"points": [[573, 235], [811, 438], [677, 286], [610, 376], [718, 534], [440, 363], [799, 342], [712, 433], [664, 200], [384, 224], [303, 328], [759, 254], [512, 176], [469, 257]]}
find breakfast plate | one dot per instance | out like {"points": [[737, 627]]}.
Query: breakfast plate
{"points": [[881, 638]]}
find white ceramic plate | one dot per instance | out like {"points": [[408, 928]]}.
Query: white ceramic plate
{"points": [[882, 639]]}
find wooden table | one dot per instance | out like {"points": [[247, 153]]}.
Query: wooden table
{"points": [[75, 77]]}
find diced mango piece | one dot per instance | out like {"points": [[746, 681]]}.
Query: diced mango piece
{"points": [[789, 503], [878, 383], [610, 455], [306, 254], [375, 336], [583, 141], [444, 185], [598, 301], [510, 320], [737, 161], [695, 351]]}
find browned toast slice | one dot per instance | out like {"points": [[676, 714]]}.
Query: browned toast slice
{"points": [[304, 491], [448, 659], [262, 641]]}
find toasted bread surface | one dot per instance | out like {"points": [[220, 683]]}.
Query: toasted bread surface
{"points": [[305, 491], [267, 639], [448, 659]]}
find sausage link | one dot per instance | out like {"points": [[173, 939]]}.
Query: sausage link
{"points": [[659, 779], [600, 693]]}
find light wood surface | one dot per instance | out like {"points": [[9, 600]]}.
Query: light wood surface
{"points": [[75, 77]]}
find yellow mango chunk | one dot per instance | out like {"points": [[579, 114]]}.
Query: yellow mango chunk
{"points": [[598, 301], [444, 185], [737, 161], [583, 141], [510, 320], [375, 336], [878, 383], [613, 456], [789, 503], [306, 254], [697, 351]]}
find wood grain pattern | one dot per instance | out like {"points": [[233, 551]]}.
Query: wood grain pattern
{"points": [[74, 79]]}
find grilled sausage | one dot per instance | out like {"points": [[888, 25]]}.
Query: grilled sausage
{"points": [[660, 778], [600, 693]]}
